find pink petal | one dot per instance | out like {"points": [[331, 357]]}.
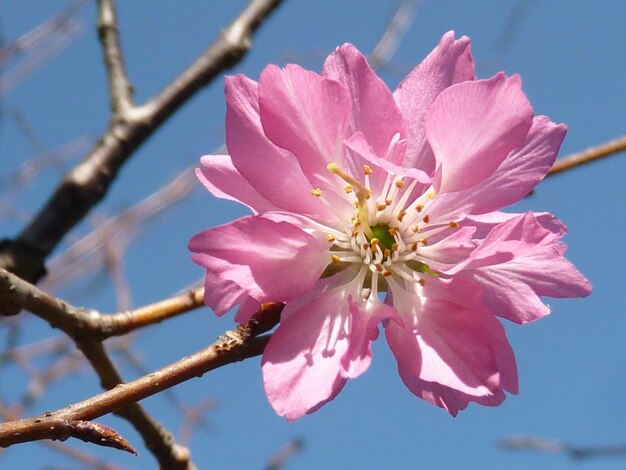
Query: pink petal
{"points": [[374, 111], [307, 115], [471, 128], [381, 167], [363, 329], [456, 351], [518, 174], [447, 398], [538, 268], [302, 362], [221, 294], [223, 180], [450, 62], [273, 172], [271, 261]]}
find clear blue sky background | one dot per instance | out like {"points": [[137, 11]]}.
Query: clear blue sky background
{"points": [[572, 365]]}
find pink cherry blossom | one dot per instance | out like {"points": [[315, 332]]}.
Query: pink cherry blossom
{"points": [[373, 207]]}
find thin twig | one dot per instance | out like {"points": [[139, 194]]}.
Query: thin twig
{"points": [[232, 347], [391, 39], [537, 444], [82, 257], [589, 155], [120, 89], [87, 183], [80, 323]]}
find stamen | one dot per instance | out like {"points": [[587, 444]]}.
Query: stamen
{"points": [[453, 224], [399, 184], [330, 238], [335, 259], [348, 189], [419, 207], [422, 282], [374, 287], [415, 228], [426, 219], [393, 231], [317, 192], [424, 241], [414, 247], [362, 194], [401, 215], [367, 170]]}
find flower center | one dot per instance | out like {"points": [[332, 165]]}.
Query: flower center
{"points": [[383, 237]]}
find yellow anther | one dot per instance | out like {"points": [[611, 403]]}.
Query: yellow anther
{"points": [[367, 170], [362, 194], [399, 184], [348, 189], [414, 247], [374, 243], [424, 241], [356, 204], [401, 215], [415, 228], [426, 219], [419, 207], [453, 224], [317, 192], [430, 194], [422, 282], [330, 238], [381, 207], [335, 259]]}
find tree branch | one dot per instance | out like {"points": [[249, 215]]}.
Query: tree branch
{"points": [[120, 88], [87, 183], [232, 347], [88, 328], [589, 155], [79, 323]]}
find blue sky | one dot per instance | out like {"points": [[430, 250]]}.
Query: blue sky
{"points": [[572, 365]]}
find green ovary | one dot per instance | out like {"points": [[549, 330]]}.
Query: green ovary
{"points": [[381, 232]]}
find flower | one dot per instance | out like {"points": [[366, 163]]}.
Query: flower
{"points": [[372, 207]]}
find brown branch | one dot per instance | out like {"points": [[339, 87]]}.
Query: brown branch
{"points": [[78, 323], [393, 34], [232, 347], [88, 329], [286, 453], [83, 256], [120, 89], [125, 322], [87, 183], [557, 447], [589, 155]]}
